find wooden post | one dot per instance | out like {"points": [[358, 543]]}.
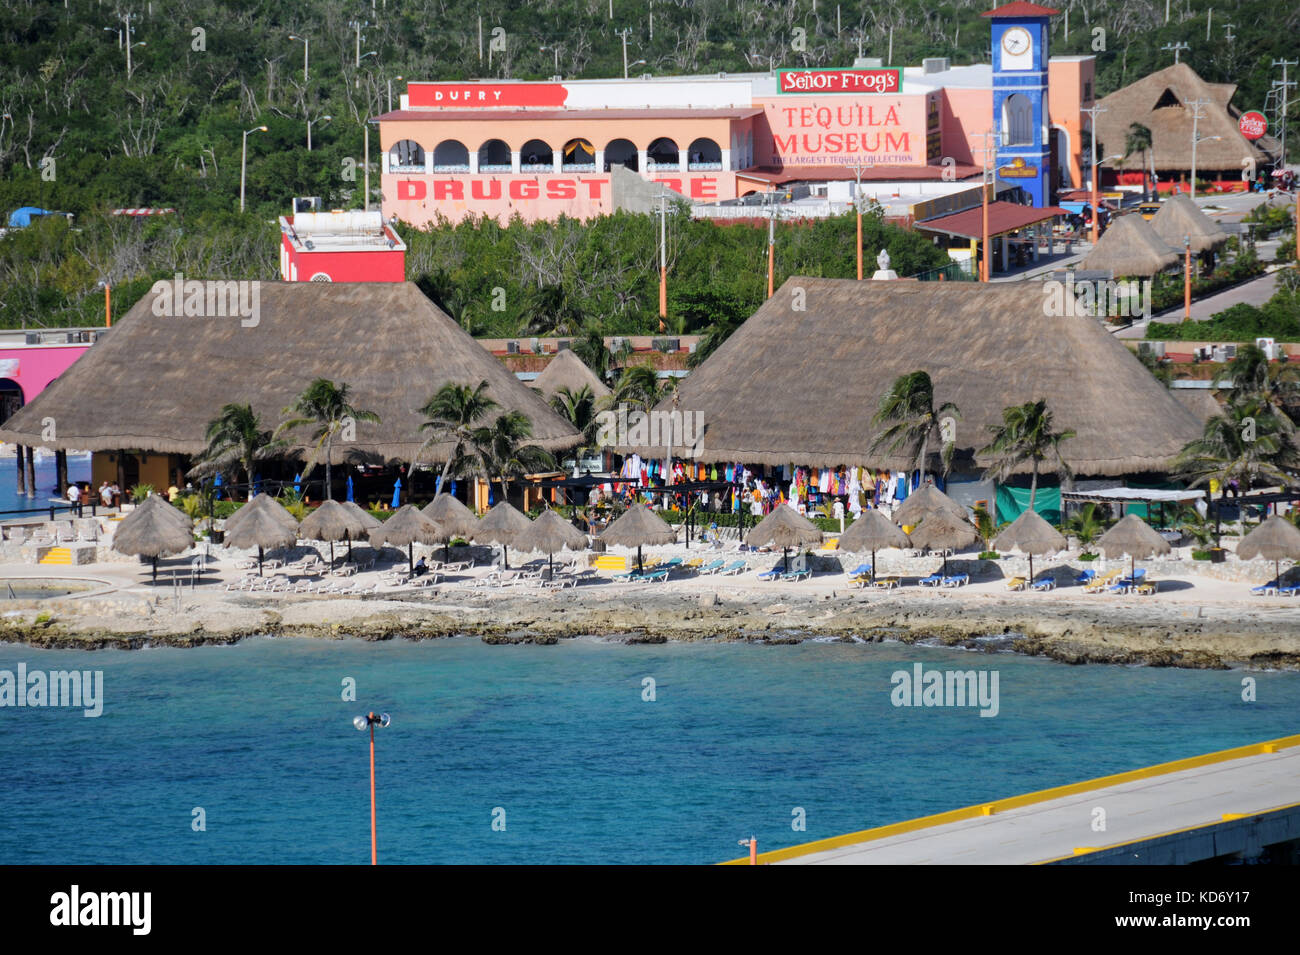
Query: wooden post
{"points": [[61, 472], [21, 487], [31, 473]]}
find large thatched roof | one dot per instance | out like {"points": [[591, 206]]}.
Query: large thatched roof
{"points": [[1179, 218], [154, 382], [1159, 101], [566, 370], [802, 386], [1130, 247]]}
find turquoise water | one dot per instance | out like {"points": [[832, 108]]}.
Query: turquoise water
{"points": [[561, 739], [11, 500]]}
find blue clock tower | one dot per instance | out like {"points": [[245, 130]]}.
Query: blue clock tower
{"points": [[1020, 55]]}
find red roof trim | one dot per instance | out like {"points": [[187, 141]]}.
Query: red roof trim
{"points": [[1021, 9], [1003, 217]]}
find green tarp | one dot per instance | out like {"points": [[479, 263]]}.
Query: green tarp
{"points": [[1013, 501]]}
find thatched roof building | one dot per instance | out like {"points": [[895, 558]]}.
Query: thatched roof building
{"points": [[154, 382], [802, 386], [566, 370], [1180, 218], [1130, 247], [1159, 101]]}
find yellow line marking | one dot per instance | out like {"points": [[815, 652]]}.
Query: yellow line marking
{"points": [[1027, 799], [1227, 817]]}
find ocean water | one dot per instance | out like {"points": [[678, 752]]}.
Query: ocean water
{"points": [[11, 500], [562, 741]]}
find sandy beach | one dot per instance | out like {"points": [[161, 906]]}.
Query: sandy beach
{"points": [[1194, 621]]}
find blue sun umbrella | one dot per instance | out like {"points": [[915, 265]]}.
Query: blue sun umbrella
{"points": [[216, 483], [257, 484], [397, 494], [297, 483], [349, 497]]}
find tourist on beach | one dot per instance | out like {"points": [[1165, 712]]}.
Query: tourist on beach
{"points": [[106, 494], [74, 494], [421, 567]]}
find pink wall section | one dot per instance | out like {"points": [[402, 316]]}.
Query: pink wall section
{"points": [[814, 130], [37, 365]]}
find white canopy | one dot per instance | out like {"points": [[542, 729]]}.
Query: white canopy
{"points": [[1133, 494]]}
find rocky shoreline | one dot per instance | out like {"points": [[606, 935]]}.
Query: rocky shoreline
{"points": [[1070, 631]]}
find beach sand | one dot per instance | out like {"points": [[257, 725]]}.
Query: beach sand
{"points": [[1194, 621]]}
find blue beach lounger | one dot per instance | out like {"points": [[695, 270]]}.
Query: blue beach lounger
{"points": [[934, 580], [1044, 583], [1269, 588], [1085, 577], [772, 574], [956, 580], [859, 571]]}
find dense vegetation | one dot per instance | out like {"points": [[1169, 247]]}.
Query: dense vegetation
{"points": [[1278, 318], [170, 133]]}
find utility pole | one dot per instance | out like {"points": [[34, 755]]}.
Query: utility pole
{"points": [[1092, 136], [480, 38], [985, 260], [357, 24], [858, 169], [771, 245], [1283, 86], [1196, 106], [1209, 19], [663, 258], [624, 33], [1176, 48], [306, 53], [365, 163]]}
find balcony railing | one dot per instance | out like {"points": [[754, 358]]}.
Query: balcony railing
{"points": [[537, 167], [578, 167], [405, 167], [451, 167], [495, 167], [703, 166]]}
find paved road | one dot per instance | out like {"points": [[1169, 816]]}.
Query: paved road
{"points": [[1050, 830]]}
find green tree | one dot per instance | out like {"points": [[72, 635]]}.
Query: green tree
{"points": [[1252, 375], [910, 418], [502, 453], [1085, 524], [1138, 140], [236, 439], [1025, 435], [637, 387], [326, 408], [1249, 441], [452, 414], [579, 409]]}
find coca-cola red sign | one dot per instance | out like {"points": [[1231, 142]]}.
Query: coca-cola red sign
{"points": [[840, 81], [1253, 125]]}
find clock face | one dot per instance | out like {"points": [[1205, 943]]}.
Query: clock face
{"points": [[1017, 41]]}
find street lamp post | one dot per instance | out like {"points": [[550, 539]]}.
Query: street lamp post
{"points": [[858, 168], [556, 51], [1196, 105], [306, 53], [370, 721], [326, 119], [1096, 213], [243, 163], [390, 90]]}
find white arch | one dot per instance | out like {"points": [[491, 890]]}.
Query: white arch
{"points": [[1018, 120]]}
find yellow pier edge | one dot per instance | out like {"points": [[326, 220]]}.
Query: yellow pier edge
{"points": [[1016, 802]]}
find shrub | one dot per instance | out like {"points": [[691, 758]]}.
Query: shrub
{"points": [[1087, 557], [990, 555]]}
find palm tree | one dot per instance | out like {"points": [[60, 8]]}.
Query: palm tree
{"points": [[1252, 375], [236, 438], [501, 452], [1086, 525], [590, 346], [638, 387], [579, 409], [1025, 435], [1247, 441], [718, 332], [326, 406], [908, 411], [1138, 139], [451, 414]]}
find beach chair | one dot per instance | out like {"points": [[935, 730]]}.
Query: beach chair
{"points": [[1288, 590], [1044, 583], [1263, 590], [886, 583], [1148, 588], [1085, 577], [712, 567], [1017, 583], [773, 574], [797, 575], [934, 580], [956, 580], [860, 581], [859, 571], [734, 568], [660, 575], [1102, 581]]}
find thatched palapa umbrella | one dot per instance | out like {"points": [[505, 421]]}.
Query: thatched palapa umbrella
{"points": [[1180, 218], [154, 529], [366, 518], [262, 528], [924, 501], [785, 528], [334, 522], [1277, 539], [942, 529], [502, 525], [548, 534], [1135, 537], [873, 531], [404, 529], [455, 519], [1031, 535], [261, 503], [638, 526], [1131, 247]]}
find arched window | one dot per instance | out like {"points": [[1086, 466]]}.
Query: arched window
{"points": [[621, 152], [704, 153], [450, 156], [578, 156], [406, 156], [1018, 120], [11, 398], [536, 156], [494, 156], [662, 152]]}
